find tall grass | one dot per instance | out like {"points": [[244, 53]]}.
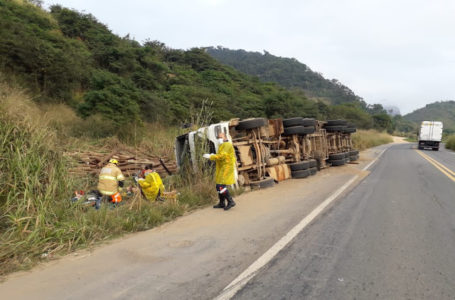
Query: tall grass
{"points": [[364, 139], [450, 142], [37, 220]]}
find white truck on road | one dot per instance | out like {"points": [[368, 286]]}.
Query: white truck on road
{"points": [[430, 135]]}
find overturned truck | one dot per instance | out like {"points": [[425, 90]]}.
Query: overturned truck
{"points": [[274, 150]]}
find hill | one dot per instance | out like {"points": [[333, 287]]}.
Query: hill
{"points": [[117, 84], [80, 62], [438, 111], [287, 72]]}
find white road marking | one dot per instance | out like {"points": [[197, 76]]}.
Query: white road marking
{"points": [[238, 283], [374, 160]]}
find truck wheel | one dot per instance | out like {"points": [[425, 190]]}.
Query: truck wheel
{"points": [[251, 123], [313, 171], [294, 130], [300, 174], [338, 162], [349, 130], [337, 122], [308, 122], [301, 165], [298, 130], [335, 128], [313, 163], [263, 183], [309, 130], [299, 121], [293, 122], [337, 156], [435, 149], [353, 152]]}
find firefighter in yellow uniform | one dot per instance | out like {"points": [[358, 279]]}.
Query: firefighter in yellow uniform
{"points": [[111, 181], [151, 185], [225, 171]]}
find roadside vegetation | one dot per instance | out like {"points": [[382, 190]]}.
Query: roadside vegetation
{"points": [[37, 219], [364, 139], [450, 142]]}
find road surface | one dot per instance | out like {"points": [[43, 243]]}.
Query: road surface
{"points": [[388, 234], [392, 237]]}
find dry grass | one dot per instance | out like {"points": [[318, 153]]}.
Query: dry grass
{"points": [[37, 219], [364, 139]]}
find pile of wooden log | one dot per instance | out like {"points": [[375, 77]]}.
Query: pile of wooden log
{"points": [[130, 163]]}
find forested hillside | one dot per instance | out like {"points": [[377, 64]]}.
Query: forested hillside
{"points": [[64, 56], [438, 111], [287, 72]]}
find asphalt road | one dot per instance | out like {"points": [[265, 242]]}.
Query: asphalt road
{"points": [[391, 237]]}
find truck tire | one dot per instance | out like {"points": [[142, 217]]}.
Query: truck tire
{"points": [[308, 130], [293, 122], [298, 130], [300, 174], [313, 171], [335, 128], [337, 122], [435, 149], [313, 163], [299, 121], [251, 123], [337, 162], [301, 165], [353, 152], [263, 183], [349, 130], [337, 156], [308, 122]]}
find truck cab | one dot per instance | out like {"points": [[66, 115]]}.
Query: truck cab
{"points": [[187, 145]]}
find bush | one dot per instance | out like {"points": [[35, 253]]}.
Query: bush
{"points": [[450, 142], [364, 139]]}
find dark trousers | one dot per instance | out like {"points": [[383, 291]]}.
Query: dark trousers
{"points": [[223, 194]]}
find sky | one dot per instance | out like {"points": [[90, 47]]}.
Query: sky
{"points": [[393, 52]]}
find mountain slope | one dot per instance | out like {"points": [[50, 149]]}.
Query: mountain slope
{"points": [[65, 56], [438, 111], [288, 72], [82, 63]]}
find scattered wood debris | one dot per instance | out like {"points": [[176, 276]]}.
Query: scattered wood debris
{"points": [[130, 163]]}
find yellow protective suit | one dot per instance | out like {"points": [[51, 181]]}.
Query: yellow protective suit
{"points": [[225, 164], [151, 185], [109, 177]]}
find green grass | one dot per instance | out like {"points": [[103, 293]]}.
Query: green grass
{"points": [[450, 142], [38, 220], [364, 139]]}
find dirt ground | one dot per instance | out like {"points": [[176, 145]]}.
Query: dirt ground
{"points": [[399, 139]]}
